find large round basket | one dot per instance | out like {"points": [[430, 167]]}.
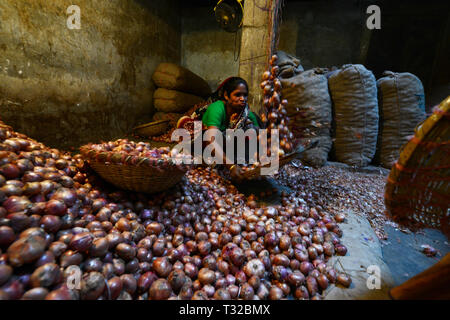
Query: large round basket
{"points": [[151, 129], [418, 187], [134, 173]]}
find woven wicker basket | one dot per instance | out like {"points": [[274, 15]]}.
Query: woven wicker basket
{"points": [[133, 173], [151, 129], [418, 189]]}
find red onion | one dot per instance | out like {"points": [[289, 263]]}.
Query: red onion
{"points": [[125, 251], [233, 290], [306, 267], [331, 274], [222, 294], [47, 257], [162, 267], [45, 276], [81, 242], [341, 249], [10, 171], [5, 273], [254, 267], [16, 204], [160, 290], [13, 289], [344, 280], [275, 293], [25, 250], [129, 283], [92, 286], [296, 278], [70, 258], [55, 207], [206, 276], [301, 293], [35, 294]]}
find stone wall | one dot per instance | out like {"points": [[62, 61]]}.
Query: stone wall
{"points": [[322, 33], [69, 87], [207, 50]]}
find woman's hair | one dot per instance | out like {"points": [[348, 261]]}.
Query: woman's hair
{"points": [[228, 85]]}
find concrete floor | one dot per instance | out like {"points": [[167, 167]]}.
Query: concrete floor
{"points": [[401, 252]]}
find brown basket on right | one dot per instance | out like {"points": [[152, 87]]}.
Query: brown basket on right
{"points": [[417, 192]]}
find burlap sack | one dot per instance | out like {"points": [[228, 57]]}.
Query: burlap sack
{"points": [[166, 100], [175, 77], [402, 108], [309, 107], [353, 92], [289, 65]]}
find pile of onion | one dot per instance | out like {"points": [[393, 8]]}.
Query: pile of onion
{"points": [[201, 240]]}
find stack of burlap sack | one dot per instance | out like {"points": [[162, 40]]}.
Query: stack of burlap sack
{"points": [[351, 115], [178, 90]]}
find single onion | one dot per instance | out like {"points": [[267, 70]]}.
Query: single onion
{"points": [[160, 290], [344, 280]]}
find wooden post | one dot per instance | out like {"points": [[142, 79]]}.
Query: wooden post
{"points": [[259, 38]]}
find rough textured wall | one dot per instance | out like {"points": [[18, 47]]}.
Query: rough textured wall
{"points": [[69, 87], [207, 50], [322, 33]]}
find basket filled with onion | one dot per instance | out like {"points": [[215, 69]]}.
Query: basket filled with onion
{"points": [[136, 166]]}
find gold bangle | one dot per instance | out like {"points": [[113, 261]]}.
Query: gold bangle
{"points": [[232, 167]]}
